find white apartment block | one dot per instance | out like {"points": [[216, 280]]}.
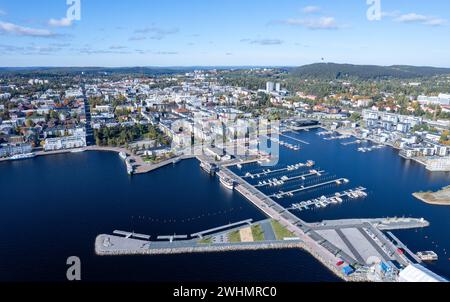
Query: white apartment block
{"points": [[65, 143]]}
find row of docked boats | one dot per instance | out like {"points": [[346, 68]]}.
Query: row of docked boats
{"points": [[324, 201], [324, 133], [295, 167], [369, 149], [274, 182], [290, 146], [286, 144], [337, 137], [22, 156]]}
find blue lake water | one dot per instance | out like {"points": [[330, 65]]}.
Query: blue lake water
{"points": [[390, 180], [54, 207]]}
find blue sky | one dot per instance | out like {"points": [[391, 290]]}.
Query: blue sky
{"points": [[223, 32]]}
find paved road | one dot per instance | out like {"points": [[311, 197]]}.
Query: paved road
{"points": [[347, 242], [375, 245], [268, 231]]}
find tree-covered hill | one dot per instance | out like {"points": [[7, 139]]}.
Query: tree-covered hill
{"points": [[342, 71]]}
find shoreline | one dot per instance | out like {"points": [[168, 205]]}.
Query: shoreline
{"points": [[226, 248], [421, 196], [420, 160], [140, 166]]}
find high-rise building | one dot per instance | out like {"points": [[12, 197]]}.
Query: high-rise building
{"points": [[278, 87], [270, 86]]}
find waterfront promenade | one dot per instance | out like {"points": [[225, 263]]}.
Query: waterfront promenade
{"points": [[139, 165], [290, 221], [108, 245], [354, 241]]}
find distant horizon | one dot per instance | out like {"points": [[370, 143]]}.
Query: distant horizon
{"points": [[217, 66]]}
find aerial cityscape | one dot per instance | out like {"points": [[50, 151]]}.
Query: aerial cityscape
{"points": [[286, 147]]}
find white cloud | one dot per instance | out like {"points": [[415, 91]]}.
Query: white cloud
{"points": [[418, 18], [117, 47], [11, 28], [326, 23], [157, 33], [413, 17], [64, 22], [137, 38], [391, 14], [436, 22], [166, 53], [311, 9], [29, 50], [263, 42]]}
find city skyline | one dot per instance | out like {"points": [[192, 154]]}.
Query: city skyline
{"points": [[222, 33]]}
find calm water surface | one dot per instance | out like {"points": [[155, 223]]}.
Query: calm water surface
{"points": [[54, 207]]}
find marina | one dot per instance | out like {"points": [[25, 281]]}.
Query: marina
{"points": [[267, 172], [357, 142], [370, 149], [325, 133], [361, 241], [291, 193], [284, 179], [338, 137], [285, 144], [353, 244], [325, 201]]}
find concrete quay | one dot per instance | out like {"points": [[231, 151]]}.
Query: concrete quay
{"points": [[313, 243], [357, 242], [107, 245]]}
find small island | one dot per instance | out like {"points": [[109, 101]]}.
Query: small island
{"points": [[441, 197]]}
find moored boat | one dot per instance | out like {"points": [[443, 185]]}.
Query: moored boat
{"points": [[227, 183], [428, 256], [22, 156], [123, 155]]}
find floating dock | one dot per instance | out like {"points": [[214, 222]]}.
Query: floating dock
{"points": [[324, 201], [295, 139], [282, 194], [288, 168], [284, 179], [338, 137]]}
